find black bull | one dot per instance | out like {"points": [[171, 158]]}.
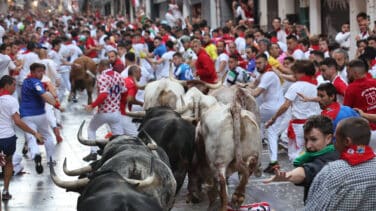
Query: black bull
{"points": [[175, 135], [130, 159], [107, 192]]}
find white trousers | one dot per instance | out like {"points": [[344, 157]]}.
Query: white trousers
{"points": [[51, 115], [272, 132], [99, 119], [129, 127], [40, 123], [295, 147], [65, 80]]}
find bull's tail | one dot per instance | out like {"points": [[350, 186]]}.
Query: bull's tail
{"points": [[235, 110]]}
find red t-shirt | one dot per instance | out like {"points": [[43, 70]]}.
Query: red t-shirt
{"points": [[90, 42], [131, 91], [340, 85], [362, 94], [205, 67]]}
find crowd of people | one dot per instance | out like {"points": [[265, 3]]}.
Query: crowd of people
{"points": [[311, 95]]}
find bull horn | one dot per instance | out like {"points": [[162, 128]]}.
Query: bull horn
{"points": [[188, 118], [183, 108], [87, 142], [76, 172], [145, 182], [70, 185], [153, 145], [134, 114], [213, 86], [172, 78]]}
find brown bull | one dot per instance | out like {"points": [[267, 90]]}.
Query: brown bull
{"points": [[82, 76]]}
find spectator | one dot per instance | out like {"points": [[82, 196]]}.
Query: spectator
{"points": [[348, 183], [8, 117], [318, 134]]}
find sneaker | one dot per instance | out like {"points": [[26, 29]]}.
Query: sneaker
{"points": [[272, 167], [5, 196], [89, 157], [25, 149], [38, 164]]}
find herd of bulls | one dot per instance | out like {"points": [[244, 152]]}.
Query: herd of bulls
{"points": [[182, 131]]}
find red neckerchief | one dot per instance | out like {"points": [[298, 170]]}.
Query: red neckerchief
{"points": [[373, 62], [68, 42], [315, 47], [357, 154], [287, 31], [26, 52], [277, 30], [308, 79], [4, 92], [332, 110], [274, 40], [109, 72], [241, 34], [268, 67]]}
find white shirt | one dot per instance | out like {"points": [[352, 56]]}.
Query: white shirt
{"points": [[272, 97], [2, 34], [298, 54], [221, 57], [164, 70], [299, 108], [343, 74], [51, 70], [102, 53], [343, 39], [9, 106], [6, 64], [28, 59], [240, 44]]}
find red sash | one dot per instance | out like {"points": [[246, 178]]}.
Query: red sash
{"points": [[290, 130]]}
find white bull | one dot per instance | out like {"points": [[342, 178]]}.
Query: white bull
{"points": [[164, 92], [227, 140], [247, 101]]}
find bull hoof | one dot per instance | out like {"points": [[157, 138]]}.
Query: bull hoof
{"points": [[193, 198], [237, 200]]}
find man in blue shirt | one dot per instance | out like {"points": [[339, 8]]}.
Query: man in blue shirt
{"points": [[160, 48], [33, 99], [182, 71]]}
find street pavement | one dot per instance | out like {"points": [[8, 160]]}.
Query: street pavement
{"points": [[33, 192]]}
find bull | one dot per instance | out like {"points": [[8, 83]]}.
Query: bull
{"points": [[131, 170], [82, 76], [174, 134], [227, 140], [226, 95], [163, 92]]}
